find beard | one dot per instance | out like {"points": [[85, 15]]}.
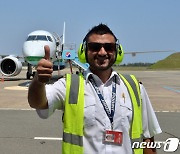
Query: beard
{"points": [[101, 63]]}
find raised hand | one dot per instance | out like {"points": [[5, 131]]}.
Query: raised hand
{"points": [[45, 67]]}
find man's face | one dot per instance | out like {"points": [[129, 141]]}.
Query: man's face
{"points": [[101, 57]]}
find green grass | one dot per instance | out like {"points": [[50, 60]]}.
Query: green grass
{"points": [[172, 62], [130, 68]]}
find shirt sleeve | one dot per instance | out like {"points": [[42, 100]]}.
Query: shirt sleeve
{"points": [[55, 94], [151, 126]]}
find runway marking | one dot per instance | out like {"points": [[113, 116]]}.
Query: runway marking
{"points": [[171, 89], [48, 138], [17, 109], [167, 111], [16, 88]]}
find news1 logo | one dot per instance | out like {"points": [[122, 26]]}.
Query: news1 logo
{"points": [[171, 144]]}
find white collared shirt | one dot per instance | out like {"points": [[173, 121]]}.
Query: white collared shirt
{"points": [[96, 121]]}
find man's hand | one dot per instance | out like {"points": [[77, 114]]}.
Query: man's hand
{"points": [[149, 150], [45, 67]]}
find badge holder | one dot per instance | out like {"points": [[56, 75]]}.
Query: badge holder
{"points": [[113, 137]]}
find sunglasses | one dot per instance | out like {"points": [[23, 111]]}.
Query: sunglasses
{"points": [[95, 47]]}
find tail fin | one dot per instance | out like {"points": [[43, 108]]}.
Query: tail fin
{"points": [[63, 41]]}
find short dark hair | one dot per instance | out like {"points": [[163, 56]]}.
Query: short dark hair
{"points": [[99, 29]]}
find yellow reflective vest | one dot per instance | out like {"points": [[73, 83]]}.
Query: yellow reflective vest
{"points": [[73, 117]]}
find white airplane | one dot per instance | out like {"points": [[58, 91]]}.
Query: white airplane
{"points": [[33, 51]]}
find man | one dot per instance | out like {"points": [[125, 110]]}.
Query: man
{"points": [[101, 117]]}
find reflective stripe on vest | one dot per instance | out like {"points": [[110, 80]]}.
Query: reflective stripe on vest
{"points": [[73, 115], [136, 129]]}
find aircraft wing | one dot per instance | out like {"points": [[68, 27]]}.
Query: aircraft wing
{"points": [[133, 53], [3, 56]]}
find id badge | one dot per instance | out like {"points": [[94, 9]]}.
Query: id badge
{"points": [[113, 137]]}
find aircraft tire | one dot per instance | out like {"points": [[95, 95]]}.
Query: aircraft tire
{"points": [[28, 75]]}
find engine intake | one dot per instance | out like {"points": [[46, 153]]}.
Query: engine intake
{"points": [[10, 66]]}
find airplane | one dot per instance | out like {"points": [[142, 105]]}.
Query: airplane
{"points": [[33, 51]]}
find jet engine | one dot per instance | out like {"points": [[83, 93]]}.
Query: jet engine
{"points": [[10, 66]]}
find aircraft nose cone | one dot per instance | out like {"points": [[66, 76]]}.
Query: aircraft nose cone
{"points": [[33, 50]]}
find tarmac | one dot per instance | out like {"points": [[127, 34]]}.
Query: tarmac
{"points": [[23, 132]]}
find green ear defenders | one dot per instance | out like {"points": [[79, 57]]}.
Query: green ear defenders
{"points": [[120, 54], [82, 53]]}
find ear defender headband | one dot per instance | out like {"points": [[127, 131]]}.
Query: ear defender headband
{"points": [[82, 53]]}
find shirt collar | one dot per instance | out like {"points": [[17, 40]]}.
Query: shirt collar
{"points": [[87, 73]]}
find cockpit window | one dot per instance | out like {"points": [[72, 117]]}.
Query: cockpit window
{"points": [[41, 37], [31, 37], [37, 37], [49, 38]]}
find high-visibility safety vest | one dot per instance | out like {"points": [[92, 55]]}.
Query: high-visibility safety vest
{"points": [[73, 117]]}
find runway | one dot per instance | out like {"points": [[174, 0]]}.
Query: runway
{"points": [[163, 88], [23, 132]]}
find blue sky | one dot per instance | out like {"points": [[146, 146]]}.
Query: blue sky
{"points": [[140, 25]]}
